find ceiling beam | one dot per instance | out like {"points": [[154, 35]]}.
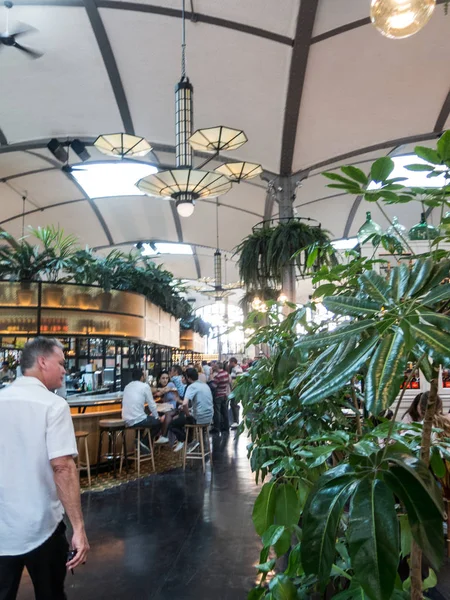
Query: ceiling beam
{"points": [[420, 137], [443, 115], [299, 61], [176, 219], [110, 64], [35, 210], [196, 262], [197, 18], [25, 173]]}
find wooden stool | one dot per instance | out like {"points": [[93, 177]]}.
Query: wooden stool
{"points": [[82, 436], [136, 455], [198, 432], [113, 428]]}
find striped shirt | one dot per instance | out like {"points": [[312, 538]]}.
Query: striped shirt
{"points": [[223, 381]]}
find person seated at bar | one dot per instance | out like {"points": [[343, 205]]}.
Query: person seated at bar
{"points": [[138, 407], [166, 390], [199, 395], [176, 374], [6, 374]]}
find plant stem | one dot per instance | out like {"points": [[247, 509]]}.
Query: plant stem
{"points": [[425, 445], [390, 222], [357, 413]]}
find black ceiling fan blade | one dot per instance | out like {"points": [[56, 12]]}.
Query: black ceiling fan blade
{"points": [[21, 29], [31, 53]]}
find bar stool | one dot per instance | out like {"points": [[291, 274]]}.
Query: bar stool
{"points": [[81, 437], [198, 432], [113, 428], [136, 455]]}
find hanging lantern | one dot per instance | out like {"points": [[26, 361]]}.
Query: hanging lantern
{"points": [[398, 19]]}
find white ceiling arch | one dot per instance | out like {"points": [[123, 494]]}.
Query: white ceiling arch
{"points": [[311, 82]]}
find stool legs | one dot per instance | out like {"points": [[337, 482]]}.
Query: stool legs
{"points": [[88, 464], [99, 452], [202, 448]]}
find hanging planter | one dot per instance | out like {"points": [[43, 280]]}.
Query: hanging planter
{"points": [[264, 254]]}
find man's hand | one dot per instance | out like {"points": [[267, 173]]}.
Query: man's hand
{"points": [[81, 545]]}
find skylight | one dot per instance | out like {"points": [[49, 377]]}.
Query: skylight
{"points": [[155, 248], [345, 243], [106, 179], [413, 178]]}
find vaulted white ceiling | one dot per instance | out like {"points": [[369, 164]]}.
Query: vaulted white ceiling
{"points": [[311, 82]]}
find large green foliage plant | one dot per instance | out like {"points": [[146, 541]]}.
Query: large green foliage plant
{"points": [[350, 499]]}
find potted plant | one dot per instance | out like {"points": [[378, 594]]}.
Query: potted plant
{"points": [[82, 268], [24, 262], [58, 248], [345, 477]]}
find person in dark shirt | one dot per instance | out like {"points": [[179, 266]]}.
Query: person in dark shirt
{"points": [[222, 380]]}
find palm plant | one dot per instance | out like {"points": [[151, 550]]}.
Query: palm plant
{"points": [[58, 249], [20, 260]]}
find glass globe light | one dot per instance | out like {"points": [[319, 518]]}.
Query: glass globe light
{"points": [[185, 209], [398, 19]]}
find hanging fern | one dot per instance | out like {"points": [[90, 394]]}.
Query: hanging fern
{"points": [[265, 253]]}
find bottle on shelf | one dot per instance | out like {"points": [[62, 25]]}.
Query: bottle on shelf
{"points": [[368, 229]]}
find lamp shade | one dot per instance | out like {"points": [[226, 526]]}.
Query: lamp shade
{"points": [[122, 144], [401, 18], [217, 139], [239, 171], [174, 182]]}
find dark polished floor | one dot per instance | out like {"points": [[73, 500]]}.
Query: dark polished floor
{"points": [[177, 536]]}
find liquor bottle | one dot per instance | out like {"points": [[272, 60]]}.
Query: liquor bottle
{"points": [[423, 231], [368, 228]]}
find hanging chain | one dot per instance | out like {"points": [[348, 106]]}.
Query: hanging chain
{"points": [[217, 222], [24, 197], [183, 42]]}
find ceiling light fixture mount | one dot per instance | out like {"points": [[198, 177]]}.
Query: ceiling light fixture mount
{"points": [[184, 183]]}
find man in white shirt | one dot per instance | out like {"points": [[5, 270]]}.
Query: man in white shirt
{"points": [[38, 477], [138, 407]]}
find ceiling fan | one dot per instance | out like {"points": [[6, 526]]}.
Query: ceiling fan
{"points": [[8, 38]]}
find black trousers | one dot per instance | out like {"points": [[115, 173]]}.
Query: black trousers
{"points": [[45, 564], [221, 422], [150, 423], [234, 410], [177, 426]]}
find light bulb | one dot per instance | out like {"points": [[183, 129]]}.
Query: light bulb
{"points": [[398, 19], [185, 209], [282, 298]]}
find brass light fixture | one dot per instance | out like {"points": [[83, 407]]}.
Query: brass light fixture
{"points": [[398, 19], [123, 145], [183, 183]]}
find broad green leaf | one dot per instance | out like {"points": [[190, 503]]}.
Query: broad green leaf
{"points": [[419, 167], [425, 365], [283, 544], [373, 536], [295, 564], [376, 287], [341, 374], [432, 338], [414, 485], [437, 319], [321, 519], [264, 508], [355, 592], [443, 146], [283, 588], [385, 373], [399, 281], [439, 293], [272, 535], [325, 289], [428, 154], [351, 189], [437, 464], [287, 505], [420, 274], [440, 272], [342, 333], [349, 305], [356, 174], [405, 536], [256, 593], [337, 177], [381, 169], [267, 566], [321, 454], [430, 581]]}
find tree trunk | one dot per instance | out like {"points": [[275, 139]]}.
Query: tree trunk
{"points": [[416, 552]]}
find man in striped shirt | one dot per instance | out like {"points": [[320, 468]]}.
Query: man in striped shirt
{"points": [[222, 380]]}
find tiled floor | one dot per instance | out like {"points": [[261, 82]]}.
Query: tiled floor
{"points": [[175, 535]]}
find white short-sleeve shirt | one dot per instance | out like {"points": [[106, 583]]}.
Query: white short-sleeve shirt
{"points": [[35, 427]]}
